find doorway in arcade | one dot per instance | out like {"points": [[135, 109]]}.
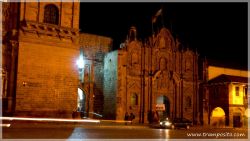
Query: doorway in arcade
{"points": [[163, 107]]}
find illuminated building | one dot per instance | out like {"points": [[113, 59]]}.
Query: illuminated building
{"points": [[40, 45], [225, 96], [50, 69], [160, 71], [41, 73]]}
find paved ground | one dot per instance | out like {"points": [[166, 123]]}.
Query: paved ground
{"points": [[112, 130]]}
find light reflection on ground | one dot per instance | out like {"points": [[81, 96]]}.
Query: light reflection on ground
{"points": [[50, 119]]}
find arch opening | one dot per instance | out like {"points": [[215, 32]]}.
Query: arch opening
{"points": [[163, 100], [218, 117]]}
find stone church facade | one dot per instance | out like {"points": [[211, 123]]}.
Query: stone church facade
{"points": [[157, 72], [41, 44]]}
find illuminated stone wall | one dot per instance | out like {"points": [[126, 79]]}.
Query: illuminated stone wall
{"points": [[47, 80], [237, 105], [47, 75], [220, 91], [223, 95]]}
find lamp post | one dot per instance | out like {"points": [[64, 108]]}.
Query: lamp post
{"points": [[80, 65]]}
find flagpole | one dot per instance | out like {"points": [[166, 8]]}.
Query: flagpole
{"points": [[155, 17], [162, 19]]}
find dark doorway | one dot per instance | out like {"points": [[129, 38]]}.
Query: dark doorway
{"points": [[164, 100], [236, 121]]}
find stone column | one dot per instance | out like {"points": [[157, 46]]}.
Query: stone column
{"points": [[12, 79]]}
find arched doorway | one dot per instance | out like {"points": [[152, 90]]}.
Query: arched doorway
{"points": [[164, 100], [218, 117], [81, 102]]}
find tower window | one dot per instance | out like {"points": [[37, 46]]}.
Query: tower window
{"points": [[51, 14]]}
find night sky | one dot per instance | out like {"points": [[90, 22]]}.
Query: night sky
{"points": [[217, 30]]}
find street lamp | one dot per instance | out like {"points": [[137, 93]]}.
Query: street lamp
{"points": [[84, 65], [80, 62]]}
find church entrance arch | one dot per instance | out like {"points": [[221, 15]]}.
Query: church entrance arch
{"points": [[163, 100]]}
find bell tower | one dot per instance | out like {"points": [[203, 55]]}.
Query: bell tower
{"points": [[47, 75], [56, 19]]}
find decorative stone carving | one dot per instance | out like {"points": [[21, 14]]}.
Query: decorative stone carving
{"points": [[163, 80]]}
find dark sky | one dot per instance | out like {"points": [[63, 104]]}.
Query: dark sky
{"points": [[217, 30]]}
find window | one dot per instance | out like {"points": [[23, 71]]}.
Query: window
{"points": [[237, 93], [134, 99], [51, 14], [245, 92]]}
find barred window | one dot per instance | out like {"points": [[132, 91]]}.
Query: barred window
{"points": [[51, 14]]}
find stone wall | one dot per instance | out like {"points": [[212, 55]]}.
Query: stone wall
{"points": [[47, 74], [47, 80], [110, 85], [94, 49], [92, 44], [98, 83]]}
